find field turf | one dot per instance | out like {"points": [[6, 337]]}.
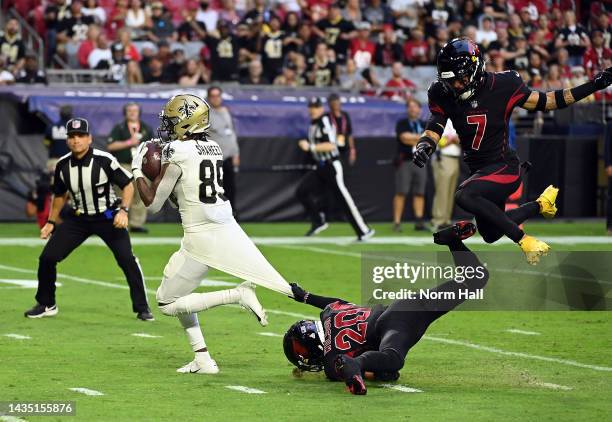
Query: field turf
{"points": [[557, 367]]}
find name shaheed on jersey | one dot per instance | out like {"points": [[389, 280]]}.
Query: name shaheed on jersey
{"points": [[480, 104], [192, 177]]}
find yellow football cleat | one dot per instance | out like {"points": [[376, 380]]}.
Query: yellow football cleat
{"points": [[547, 199], [533, 249]]}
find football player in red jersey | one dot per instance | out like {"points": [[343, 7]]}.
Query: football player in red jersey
{"points": [[480, 104], [350, 340]]}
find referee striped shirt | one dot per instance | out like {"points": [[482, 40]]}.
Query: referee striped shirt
{"points": [[89, 181], [321, 130]]}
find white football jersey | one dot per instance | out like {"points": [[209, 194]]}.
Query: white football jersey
{"points": [[199, 191]]}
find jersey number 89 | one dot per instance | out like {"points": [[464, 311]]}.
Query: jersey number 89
{"points": [[211, 176]]}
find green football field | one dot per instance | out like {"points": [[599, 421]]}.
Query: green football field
{"points": [[471, 365]]}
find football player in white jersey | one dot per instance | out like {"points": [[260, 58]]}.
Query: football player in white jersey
{"points": [[192, 177]]}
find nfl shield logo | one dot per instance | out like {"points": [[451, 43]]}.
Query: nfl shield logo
{"points": [[474, 104], [76, 124]]}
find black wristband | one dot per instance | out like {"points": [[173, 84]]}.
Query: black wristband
{"points": [[560, 99], [51, 222], [582, 91], [541, 105], [126, 209]]}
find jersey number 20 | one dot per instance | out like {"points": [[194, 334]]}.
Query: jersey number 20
{"points": [[345, 321], [211, 176], [480, 120]]}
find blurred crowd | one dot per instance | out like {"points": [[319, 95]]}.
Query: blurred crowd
{"points": [[320, 43]]}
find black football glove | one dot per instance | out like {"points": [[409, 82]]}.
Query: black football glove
{"points": [[422, 153], [603, 79], [299, 294]]}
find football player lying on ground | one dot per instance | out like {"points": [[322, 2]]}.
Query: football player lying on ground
{"points": [[351, 340], [480, 104], [192, 177]]}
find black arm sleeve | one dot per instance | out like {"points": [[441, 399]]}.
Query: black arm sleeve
{"points": [[59, 187], [320, 301]]}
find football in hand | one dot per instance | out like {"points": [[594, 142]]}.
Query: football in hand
{"points": [[151, 162]]}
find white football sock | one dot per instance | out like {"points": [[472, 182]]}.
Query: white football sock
{"points": [[202, 357], [196, 302], [192, 328]]}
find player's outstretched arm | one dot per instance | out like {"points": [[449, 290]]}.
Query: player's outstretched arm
{"points": [[561, 98], [301, 295], [426, 146]]}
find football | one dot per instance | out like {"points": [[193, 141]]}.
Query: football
{"points": [[151, 163]]}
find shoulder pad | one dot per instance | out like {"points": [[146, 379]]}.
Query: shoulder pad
{"points": [[174, 152], [437, 90]]}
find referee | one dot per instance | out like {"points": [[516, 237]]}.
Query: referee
{"points": [[87, 175], [328, 174]]}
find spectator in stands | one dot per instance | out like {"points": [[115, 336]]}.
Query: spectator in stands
{"points": [[172, 71], [228, 13], [223, 54], [73, 29], [486, 34], [192, 29], [6, 77], [223, 132], [526, 21], [248, 41], [416, 49], [603, 24], [515, 28], [403, 88], [498, 9], [352, 12], [445, 167], [378, 14], [123, 70], [336, 31], [101, 57], [272, 49], [574, 38], [117, 18], [122, 141], [436, 43], [260, 13], [55, 136], [538, 43], [437, 14], [321, 69], [93, 9], [289, 77], [470, 32], [388, 50], [291, 28], [162, 28], [469, 13], [593, 58], [48, 28], [138, 20], [308, 40], [207, 15], [129, 49], [153, 71], [255, 75], [88, 45], [30, 73], [406, 14], [12, 47], [519, 52], [536, 65], [543, 26], [553, 80], [194, 74], [362, 48], [409, 179]]}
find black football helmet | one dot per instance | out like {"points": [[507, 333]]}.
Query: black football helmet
{"points": [[461, 59], [303, 345]]}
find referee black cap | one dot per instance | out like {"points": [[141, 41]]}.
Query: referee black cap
{"points": [[315, 102], [77, 125]]}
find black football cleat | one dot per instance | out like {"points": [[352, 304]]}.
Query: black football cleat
{"points": [[350, 372], [41, 311], [145, 316], [316, 229], [457, 232]]}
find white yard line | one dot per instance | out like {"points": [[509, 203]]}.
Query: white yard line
{"points": [[523, 332], [86, 391], [518, 354], [244, 389], [337, 240], [266, 334], [552, 386], [401, 388], [296, 315], [145, 335], [17, 336]]}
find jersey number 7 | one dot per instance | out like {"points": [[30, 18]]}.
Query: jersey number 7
{"points": [[480, 120], [211, 176]]}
